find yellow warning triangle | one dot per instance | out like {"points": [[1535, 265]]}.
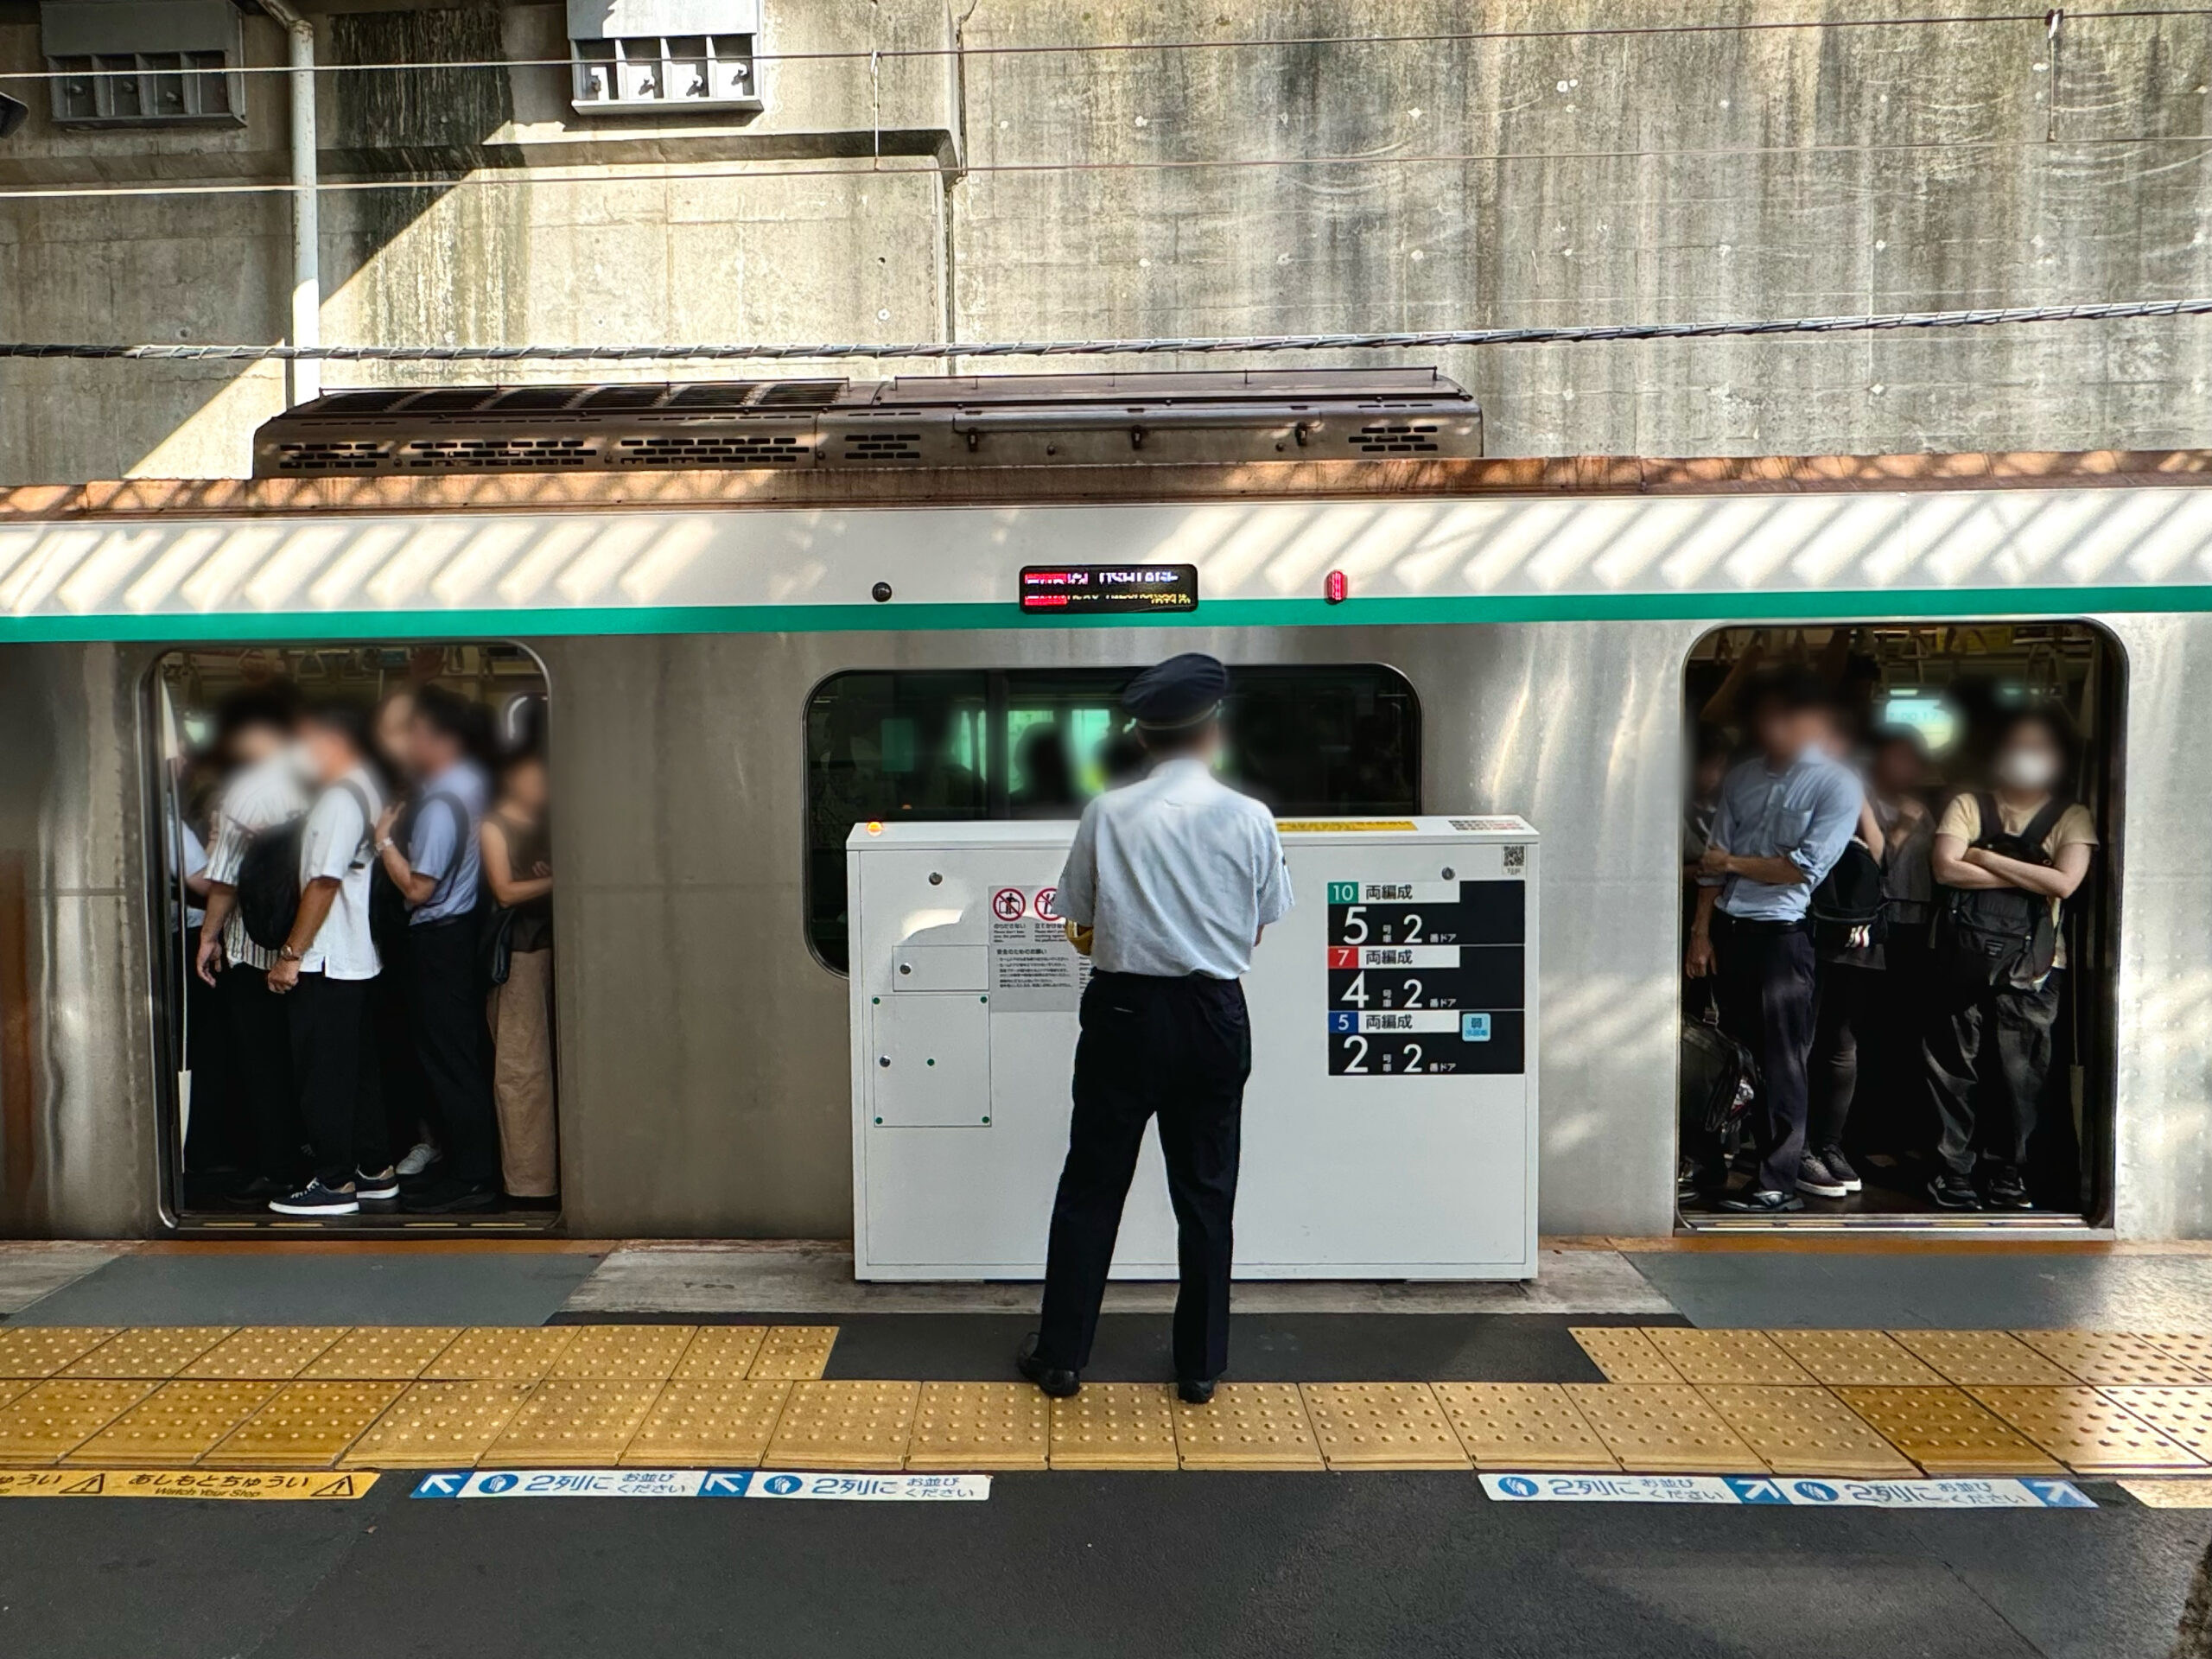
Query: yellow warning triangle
{"points": [[90, 1486], [341, 1487]]}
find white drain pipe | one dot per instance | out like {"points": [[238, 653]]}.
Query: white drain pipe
{"points": [[303, 377]]}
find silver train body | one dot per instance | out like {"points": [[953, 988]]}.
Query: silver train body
{"points": [[1544, 613]]}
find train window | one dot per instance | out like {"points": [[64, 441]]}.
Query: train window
{"points": [[957, 744]]}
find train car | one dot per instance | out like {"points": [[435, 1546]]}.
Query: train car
{"points": [[741, 617]]}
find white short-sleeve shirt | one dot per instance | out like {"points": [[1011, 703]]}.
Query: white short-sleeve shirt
{"points": [[335, 846]]}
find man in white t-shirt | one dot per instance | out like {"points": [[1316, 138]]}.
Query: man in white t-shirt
{"points": [[325, 968]]}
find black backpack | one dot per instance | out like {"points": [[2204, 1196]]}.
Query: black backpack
{"points": [[1849, 908], [1989, 937], [1719, 1076], [269, 875]]}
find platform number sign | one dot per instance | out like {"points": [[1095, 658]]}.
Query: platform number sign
{"points": [[1426, 978]]}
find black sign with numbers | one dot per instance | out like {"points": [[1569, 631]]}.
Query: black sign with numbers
{"points": [[1428, 978]]}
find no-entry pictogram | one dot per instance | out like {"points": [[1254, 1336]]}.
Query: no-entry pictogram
{"points": [[1048, 904]]}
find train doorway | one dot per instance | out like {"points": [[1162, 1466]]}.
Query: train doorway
{"points": [[1933, 1098]]}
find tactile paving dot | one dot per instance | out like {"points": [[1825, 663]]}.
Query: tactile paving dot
{"points": [[52, 1418], [569, 1423], [2113, 1358], [1114, 1426], [1945, 1433], [382, 1353], [1980, 1357], [1382, 1426], [153, 1351], [980, 1426], [2181, 1415], [2086, 1431], [793, 1353], [1521, 1426], [624, 1353], [1624, 1353], [305, 1426], [844, 1425], [1856, 1358], [500, 1353], [438, 1426], [1806, 1432], [1743, 1358], [719, 1353], [37, 1350], [1248, 1426], [265, 1352], [177, 1424], [1662, 1428], [721, 1424]]}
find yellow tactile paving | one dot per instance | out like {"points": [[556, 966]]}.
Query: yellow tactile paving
{"points": [[720, 1353], [1114, 1426], [179, 1423], [12, 1386], [1945, 1433], [1624, 1353], [793, 1353], [438, 1426], [1521, 1426], [1662, 1428], [1247, 1425], [2113, 1358], [148, 1352], [254, 1353], [38, 1351], [624, 1353], [2181, 1415], [1739, 1358], [570, 1424], [722, 1424], [53, 1418], [1983, 1358], [1866, 1359], [2190, 1347], [843, 1426], [305, 1426], [1382, 1426], [1806, 1432], [2088, 1433], [980, 1426], [382, 1353], [500, 1353]]}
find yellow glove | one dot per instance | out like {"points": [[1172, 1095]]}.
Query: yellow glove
{"points": [[1078, 936]]}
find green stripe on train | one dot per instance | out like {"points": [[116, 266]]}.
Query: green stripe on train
{"points": [[1865, 604]]}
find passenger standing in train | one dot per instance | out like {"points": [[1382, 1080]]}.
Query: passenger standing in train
{"points": [[324, 972], [1785, 816], [269, 786], [517, 854], [2025, 837], [438, 873], [1176, 877], [407, 1103]]}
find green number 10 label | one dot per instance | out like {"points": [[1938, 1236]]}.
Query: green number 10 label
{"points": [[1343, 893]]}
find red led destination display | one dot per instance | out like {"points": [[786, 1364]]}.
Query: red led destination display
{"points": [[1103, 589]]}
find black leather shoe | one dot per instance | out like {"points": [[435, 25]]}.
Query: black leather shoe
{"points": [[1060, 1384], [1194, 1390], [255, 1193], [1766, 1201]]}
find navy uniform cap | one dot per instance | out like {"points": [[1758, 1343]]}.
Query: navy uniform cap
{"points": [[1181, 692]]}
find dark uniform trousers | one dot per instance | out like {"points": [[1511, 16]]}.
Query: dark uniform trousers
{"points": [[445, 998], [1766, 1004], [2015, 1023], [341, 1097], [1178, 1050], [260, 1051]]}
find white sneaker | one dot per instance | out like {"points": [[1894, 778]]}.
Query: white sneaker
{"points": [[420, 1157]]}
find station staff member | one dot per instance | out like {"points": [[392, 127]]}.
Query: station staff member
{"points": [[1175, 876]]}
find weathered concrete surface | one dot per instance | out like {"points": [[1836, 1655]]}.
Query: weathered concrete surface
{"points": [[1548, 178]]}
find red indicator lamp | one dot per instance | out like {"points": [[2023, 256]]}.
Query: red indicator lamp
{"points": [[1335, 587]]}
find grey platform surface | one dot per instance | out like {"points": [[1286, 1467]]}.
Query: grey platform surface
{"points": [[270, 1288], [2011, 1290], [31, 1271]]}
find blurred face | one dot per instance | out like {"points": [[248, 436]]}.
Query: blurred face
{"points": [[329, 752], [526, 785], [1785, 733], [252, 743], [395, 718], [1898, 770], [2028, 761], [432, 750], [1711, 772]]}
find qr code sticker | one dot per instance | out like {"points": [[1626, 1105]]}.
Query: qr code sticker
{"points": [[1516, 861]]}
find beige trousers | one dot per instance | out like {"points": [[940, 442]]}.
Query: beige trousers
{"points": [[521, 1015]]}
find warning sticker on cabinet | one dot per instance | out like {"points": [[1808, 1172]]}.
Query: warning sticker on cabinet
{"points": [[1033, 967]]}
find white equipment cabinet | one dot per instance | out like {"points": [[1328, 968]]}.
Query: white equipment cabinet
{"points": [[1391, 1122]]}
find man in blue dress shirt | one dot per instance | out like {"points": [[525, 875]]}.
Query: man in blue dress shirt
{"points": [[1786, 815]]}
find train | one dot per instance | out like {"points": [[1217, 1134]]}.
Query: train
{"points": [[757, 611]]}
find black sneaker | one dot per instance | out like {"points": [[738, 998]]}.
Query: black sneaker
{"points": [[255, 1193], [442, 1195], [1839, 1167], [1953, 1191], [385, 1185], [2005, 1190], [1767, 1202], [316, 1199], [1815, 1176]]}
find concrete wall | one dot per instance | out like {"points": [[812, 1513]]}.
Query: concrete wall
{"points": [[1504, 180]]}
